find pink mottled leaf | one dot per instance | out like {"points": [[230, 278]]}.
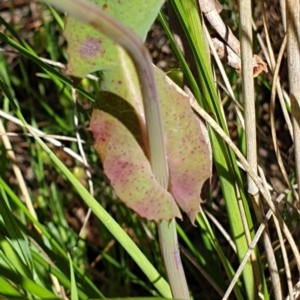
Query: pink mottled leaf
{"points": [[187, 146], [124, 161], [119, 127]]}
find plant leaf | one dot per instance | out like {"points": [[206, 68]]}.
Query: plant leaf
{"points": [[128, 168], [119, 131], [90, 51], [187, 146]]}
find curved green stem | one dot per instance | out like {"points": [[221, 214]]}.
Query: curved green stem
{"points": [[170, 251], [115, 30]]}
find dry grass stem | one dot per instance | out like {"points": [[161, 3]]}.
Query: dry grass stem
{"points": [[293, 55]]}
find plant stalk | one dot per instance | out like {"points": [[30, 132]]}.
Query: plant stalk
{"points": [[245, 18], [115, 30], [293, 55]]}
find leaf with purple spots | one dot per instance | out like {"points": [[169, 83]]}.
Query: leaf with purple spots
{"points": [[126, 163], [90, 51], [119, 128], [187, 146], [116, 133]]}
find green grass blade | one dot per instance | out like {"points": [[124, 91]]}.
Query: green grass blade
{"points": [[224, 158], [152, 274], [57, 17], [111, 225], [48, 69], [74, 293], [7, 289], [15, 246], [92, 289], [63, 279], [27, 284]]}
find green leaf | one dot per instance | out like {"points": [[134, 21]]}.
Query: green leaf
{"points": [[89, 50]]}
